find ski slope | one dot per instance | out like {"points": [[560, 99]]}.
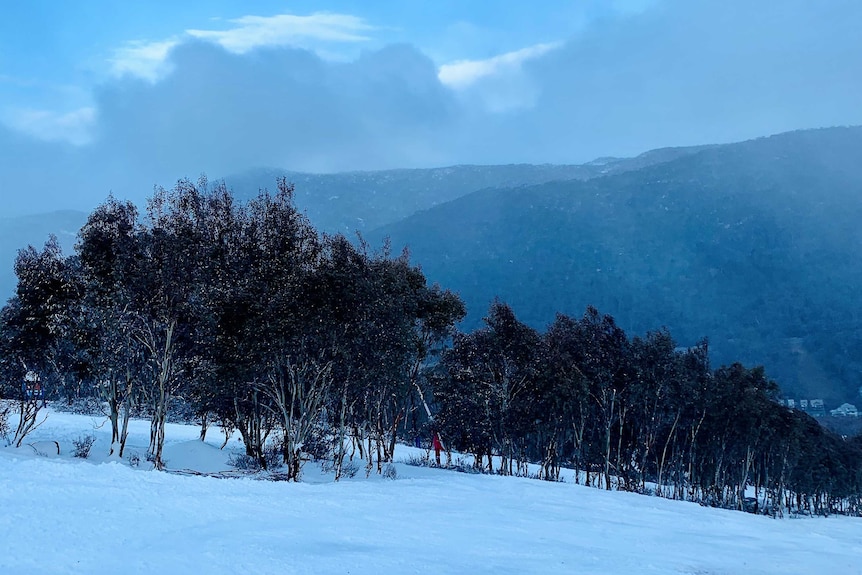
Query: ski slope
{"points": [[65, 515]]}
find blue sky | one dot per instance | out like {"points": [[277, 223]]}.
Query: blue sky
{"points": [[121, 95]]}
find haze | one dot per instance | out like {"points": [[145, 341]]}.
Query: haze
{"points": [[97, 97]]}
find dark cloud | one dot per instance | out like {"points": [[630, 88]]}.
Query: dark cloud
{"points": [[678, 73], [221, 112], [697, 72]]}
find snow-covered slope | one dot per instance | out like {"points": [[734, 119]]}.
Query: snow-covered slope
{"points": [[63, 515]]}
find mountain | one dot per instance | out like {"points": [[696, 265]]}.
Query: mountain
{"points": [[19, 232], [754, 245], [751, 244], [363, 201], [342, 202], [351, 201]]}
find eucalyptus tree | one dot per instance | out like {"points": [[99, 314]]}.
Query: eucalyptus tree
{"points": [[498, 366], [168, 300], [111, 250]]}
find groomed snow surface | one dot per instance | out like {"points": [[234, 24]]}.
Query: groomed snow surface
{"points": [[66, 515]]}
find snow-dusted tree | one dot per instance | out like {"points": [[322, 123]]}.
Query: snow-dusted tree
{"points": [[38, 323], [498, 366], [110, 249], [167, 299], [298, 388]]}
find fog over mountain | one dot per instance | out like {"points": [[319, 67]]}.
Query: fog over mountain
{"points": [[670, 72], [752, 245]]}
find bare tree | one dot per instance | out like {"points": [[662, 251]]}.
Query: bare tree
{"points": [[298, 390]]}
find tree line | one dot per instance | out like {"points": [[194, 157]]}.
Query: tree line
{"points": [[638, 414], [319, 345], [244, 311]]}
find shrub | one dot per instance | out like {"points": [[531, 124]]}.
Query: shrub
{"points": [[82, 445], [460, 464], [5, 410], [349, 469], [419, 460], [390, 472], [272, 456], [181, 411], [81, 406], [151, 458], [319, 444]]}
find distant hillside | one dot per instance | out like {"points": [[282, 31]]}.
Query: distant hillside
{"points": [[18, 232], [343, 202], [346, 202], [752, 244], [363, 201], [755, 245]]}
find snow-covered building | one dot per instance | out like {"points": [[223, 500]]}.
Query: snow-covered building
{"points": [[845, 410], [816, 408]]}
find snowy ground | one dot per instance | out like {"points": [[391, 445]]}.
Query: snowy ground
{"points": [[63, 515]]}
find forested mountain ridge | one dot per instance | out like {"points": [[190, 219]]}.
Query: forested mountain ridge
{"points": [[341, 202], [754, 245], [751, 244], [349, 201]]}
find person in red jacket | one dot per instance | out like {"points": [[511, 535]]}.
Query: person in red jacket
{"points": [[437, 446]]}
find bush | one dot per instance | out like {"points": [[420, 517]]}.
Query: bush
{"points": [[134, 459], [419, 461], [5, 410], [319, 444], [349, 469], [81, 406], [181, 411], [460, 464], [272, 456], [390, 472], [151, 458], [82, 445], [243, 462]]}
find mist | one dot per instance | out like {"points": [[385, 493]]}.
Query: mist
{"points": [[675, 73]]}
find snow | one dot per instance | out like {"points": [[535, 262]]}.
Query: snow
{"points": [[65, 515]]}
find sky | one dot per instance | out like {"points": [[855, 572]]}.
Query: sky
{"points": [[99, 96]]}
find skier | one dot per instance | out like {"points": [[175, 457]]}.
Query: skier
{"points": [[437, 447]]}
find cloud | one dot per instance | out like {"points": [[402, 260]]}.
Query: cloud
{"points": [[694, 72], [38, 176], [147, 60], [250, 32], [319, 31], [220, 112], [675, 73], [464, 73], [73, 127], [496, 84]]}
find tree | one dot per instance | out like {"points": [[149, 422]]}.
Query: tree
{"points": [[38, 325], [498, 365], [111, 251]]}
